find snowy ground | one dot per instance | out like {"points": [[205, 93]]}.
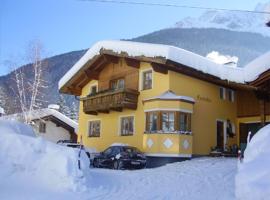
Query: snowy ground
{"points": [[201, 178], [34, 169]]}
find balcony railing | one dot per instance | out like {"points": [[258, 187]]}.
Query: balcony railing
{"points": [[110, 100]]}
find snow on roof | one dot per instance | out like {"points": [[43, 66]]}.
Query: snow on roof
{"points": [[172, 96], [187, 58], [257, 67], [41, 113], [134, 49]]}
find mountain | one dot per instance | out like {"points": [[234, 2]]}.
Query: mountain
{"points": [[55, 67], [246, 46], [235, 21], [241, 35]]}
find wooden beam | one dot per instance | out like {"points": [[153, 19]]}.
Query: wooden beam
{"points": [[111, 59], [91, 74], [133, 62], [262, 112], [159, 68]]}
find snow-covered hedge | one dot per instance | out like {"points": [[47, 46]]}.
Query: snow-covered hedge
{"points": [[33, 158], [253, 178]]}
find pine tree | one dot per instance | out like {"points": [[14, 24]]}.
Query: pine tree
{"points": [[63, 108], [74, 112]]}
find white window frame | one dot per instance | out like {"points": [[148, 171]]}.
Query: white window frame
{"points": [[88, 127], [223, 92], [120, 124], [232, 93], [90, 87], [142, 80]]}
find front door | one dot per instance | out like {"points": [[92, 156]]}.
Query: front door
{"points": [[220, 135]]}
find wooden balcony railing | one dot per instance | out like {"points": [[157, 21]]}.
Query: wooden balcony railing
{"points": [[111, 100]]}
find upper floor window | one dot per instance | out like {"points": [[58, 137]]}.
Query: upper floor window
{"points": [[42, 127], [231, 95], [147, 80], [94, 128], [117, 84], [222, 93], [93, 89], [127, 125]]}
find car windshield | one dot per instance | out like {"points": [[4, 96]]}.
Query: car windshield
{"points": [[131, 150]]}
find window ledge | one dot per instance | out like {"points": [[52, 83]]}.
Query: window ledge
{"points": [[169, 132]]}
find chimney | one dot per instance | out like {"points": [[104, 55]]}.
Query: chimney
{"points": [[54, 107]]}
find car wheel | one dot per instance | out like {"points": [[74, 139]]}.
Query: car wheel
{"points": [[115, 165], [95, 163]]}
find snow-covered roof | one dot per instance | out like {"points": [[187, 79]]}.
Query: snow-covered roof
{"points": [[45, 112], [169, 95], [257, 67], [178, 55]]}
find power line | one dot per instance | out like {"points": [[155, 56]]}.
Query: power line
{"points": [[176, 6]]}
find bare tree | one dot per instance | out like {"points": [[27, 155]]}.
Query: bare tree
{"points": [[30, 84]]}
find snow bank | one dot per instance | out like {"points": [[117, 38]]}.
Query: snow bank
{"points": [[36, 160], [15, 127], [253, 178]]}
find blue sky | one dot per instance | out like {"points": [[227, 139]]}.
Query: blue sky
{"points": [[67, 25]]}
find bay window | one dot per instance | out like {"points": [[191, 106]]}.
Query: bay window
{"points": [[168, 122]]}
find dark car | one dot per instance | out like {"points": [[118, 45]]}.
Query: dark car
{"points": [[120, 157]]}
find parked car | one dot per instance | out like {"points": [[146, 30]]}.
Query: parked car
{"points": [[120, 157]]}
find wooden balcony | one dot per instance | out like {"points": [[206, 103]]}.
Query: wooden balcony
{"points": [[103, 102]]}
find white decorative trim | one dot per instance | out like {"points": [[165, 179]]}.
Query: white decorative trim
{"points": [[141, 78], [169, 109], [169, 155], [149, 143], [185, 144], [119, 123], [168, 143]]}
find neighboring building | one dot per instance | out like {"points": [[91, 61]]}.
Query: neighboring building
{"points": [[50, 124], [164, 100]]}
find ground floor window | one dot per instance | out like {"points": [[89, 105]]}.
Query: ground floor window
{"points": [[42, 127], [94, 128], [168, 121], [127, 126]]}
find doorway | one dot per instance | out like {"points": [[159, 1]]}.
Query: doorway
{"points": [[220, 135]]}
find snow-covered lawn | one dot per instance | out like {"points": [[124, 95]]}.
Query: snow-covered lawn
{"points": [[34, 169]]}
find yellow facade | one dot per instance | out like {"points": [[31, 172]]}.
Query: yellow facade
{"points": [[206, 111]]}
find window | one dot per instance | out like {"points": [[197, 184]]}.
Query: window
{"points": [[167, 121], [222, 93], [147, 80], [231, 95], [117, 84], [184, 122], [127, 126], [152, 121], [93, 89], [94, 129], [42, 127]]}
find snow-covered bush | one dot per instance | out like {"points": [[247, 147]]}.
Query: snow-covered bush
{"points": [[253, 178], [34, 158]]}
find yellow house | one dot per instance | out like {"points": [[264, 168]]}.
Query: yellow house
{"points": [[166, 101]]}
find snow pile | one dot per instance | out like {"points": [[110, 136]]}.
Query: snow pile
{"points": [[222, 59], [31, 159], [253, 178], [15, 127]]}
